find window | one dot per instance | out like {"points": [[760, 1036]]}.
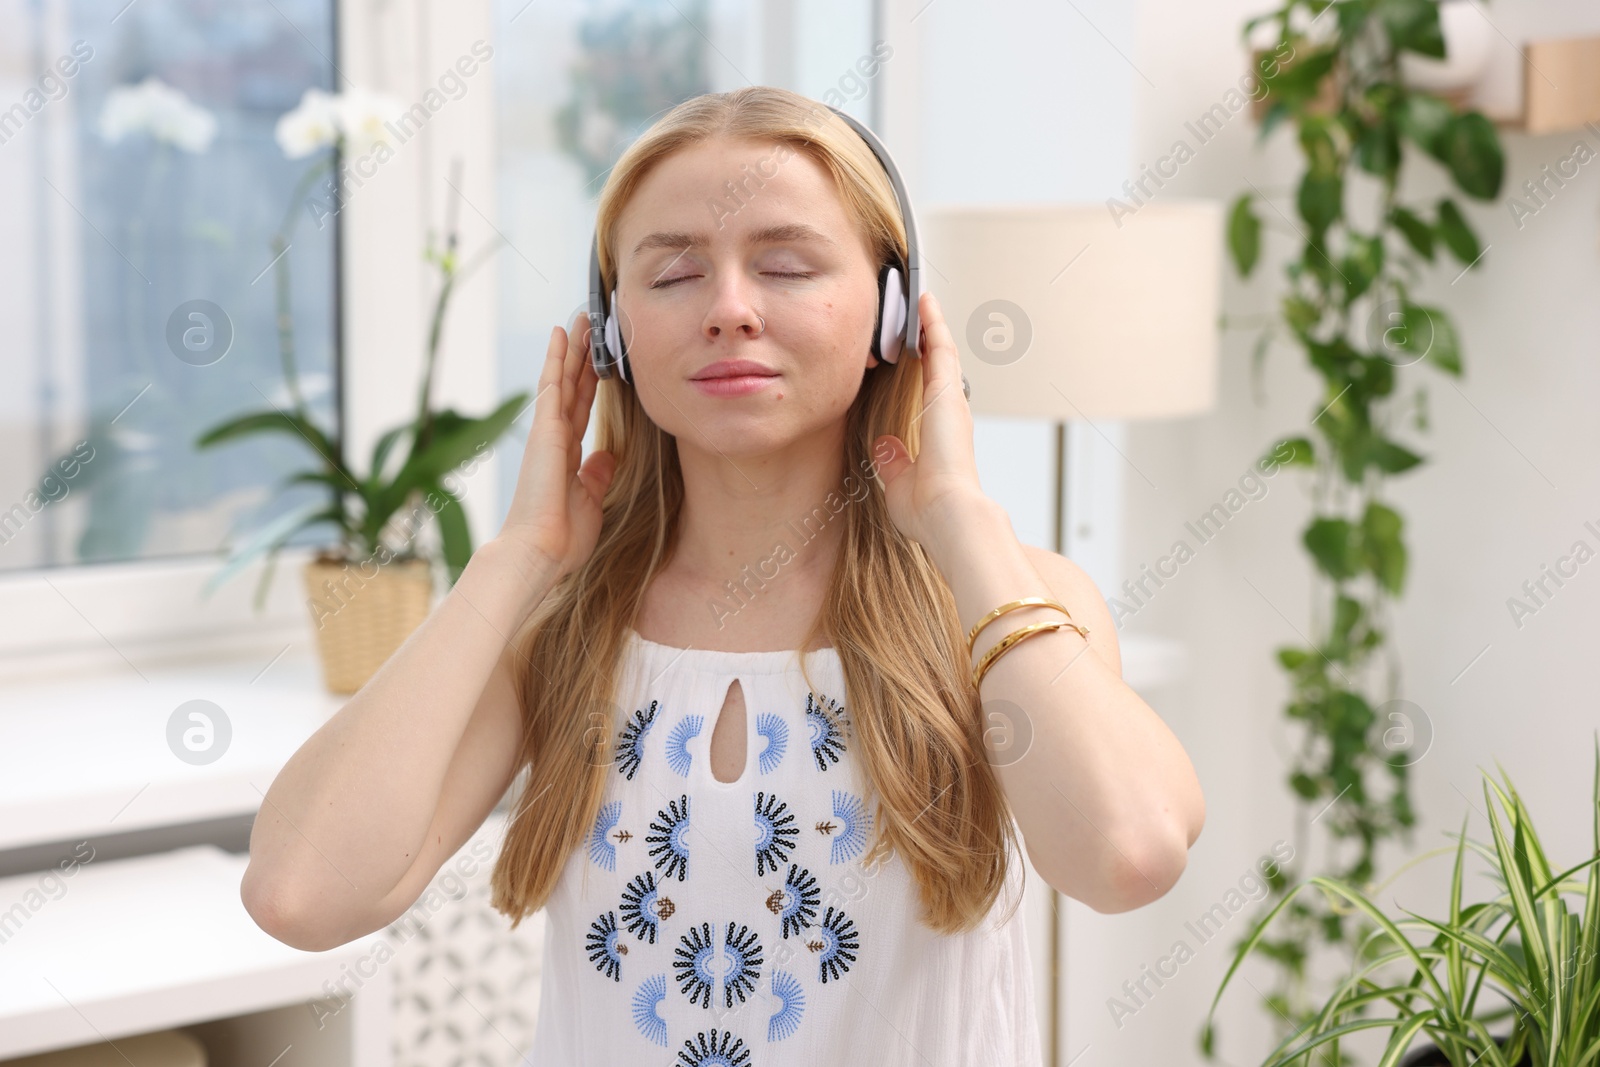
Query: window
{"points": [[143, 185]]}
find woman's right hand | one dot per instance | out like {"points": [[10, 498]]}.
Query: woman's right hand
{"points": [[555, 511]]}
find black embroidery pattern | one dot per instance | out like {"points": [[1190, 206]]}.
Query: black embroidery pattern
{"points": [[691, 961], [828, 722], [667, 846], [745, 959], [698, 1051], [796, 903], [630, 747], [776, 833]]}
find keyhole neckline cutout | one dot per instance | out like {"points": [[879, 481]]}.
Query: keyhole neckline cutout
{"points": [[725, 664], [733, 731]]}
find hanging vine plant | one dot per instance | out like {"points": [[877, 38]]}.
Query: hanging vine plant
{"points": [[1352, 306]]}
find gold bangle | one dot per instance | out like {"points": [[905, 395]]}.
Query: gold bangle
{"points": [[1007, 642], [1027, 601]]}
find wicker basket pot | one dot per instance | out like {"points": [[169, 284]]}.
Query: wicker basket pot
{"points": [[362, 612]]}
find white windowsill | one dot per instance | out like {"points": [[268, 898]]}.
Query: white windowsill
{"points": [[87, 753]]}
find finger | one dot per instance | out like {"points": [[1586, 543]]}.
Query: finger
{"points": [[943, 363], [588, 382], [547, 397], [577, 343]]}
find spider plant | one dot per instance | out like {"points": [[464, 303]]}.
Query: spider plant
{"points": [[1534, 955]]}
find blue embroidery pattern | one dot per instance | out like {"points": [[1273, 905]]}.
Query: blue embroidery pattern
{"points": [[691, 960], [836, 944], [857, 822], [791, 1005], [796, 903], [827, 721], [647, 1009], [697, 1051], [639, 907], [670, 851], [776, 731], [743, 955], [678, 755], [604, 952], [630, 749], [775, 832], [602, 851]]}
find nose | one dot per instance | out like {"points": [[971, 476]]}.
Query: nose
{"points": [[731, 311]]}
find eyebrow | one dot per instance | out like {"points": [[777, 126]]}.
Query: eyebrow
{"points": [[794, 231]]}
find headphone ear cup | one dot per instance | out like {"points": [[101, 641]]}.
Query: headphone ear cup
{"points": [[613, 335], [891, 315]]}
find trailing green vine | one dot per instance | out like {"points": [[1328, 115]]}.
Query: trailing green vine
{"points": [[1350, 306]]}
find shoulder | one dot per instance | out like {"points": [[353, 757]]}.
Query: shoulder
{"points": [[1071, 585]]}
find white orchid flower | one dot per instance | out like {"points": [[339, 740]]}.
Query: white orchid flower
{"points": [[362, 115], [311, 125], [157, 109]]}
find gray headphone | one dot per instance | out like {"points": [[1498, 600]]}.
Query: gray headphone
{"points": [[897, 306]]}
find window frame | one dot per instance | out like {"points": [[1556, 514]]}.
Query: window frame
{"points": [[120, 614]]}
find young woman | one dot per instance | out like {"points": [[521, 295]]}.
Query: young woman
{"points": [[731, 650]]}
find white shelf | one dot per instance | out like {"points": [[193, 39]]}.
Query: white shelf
{"points": [[130, 946]]}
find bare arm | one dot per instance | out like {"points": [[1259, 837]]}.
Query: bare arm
{"points": [[361, 817]]}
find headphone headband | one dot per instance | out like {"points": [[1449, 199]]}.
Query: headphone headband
{"points": [[898, 295]]}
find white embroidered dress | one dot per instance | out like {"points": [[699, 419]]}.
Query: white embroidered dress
{"points": [[732, 924]]}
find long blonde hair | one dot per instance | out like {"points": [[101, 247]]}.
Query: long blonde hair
{"points": [[888, 612]]}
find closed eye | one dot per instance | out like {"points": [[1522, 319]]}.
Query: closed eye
{"points": [[770, 274]]}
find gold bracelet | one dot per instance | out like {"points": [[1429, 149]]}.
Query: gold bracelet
{"points": [[1027, 601], [1009, 640]]}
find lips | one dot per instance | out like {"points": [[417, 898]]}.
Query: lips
{"points": [[735, 368]]}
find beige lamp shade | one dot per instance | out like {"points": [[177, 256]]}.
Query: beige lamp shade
{"points": [[1062, 311]]}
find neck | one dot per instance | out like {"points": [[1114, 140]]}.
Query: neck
{"points": [[770, 524]]}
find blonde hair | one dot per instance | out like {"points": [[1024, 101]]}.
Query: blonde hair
{"points": [[915, 715]]}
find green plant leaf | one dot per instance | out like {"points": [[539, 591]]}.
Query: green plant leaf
{"points": [[1390, 457], [380, 452], [269, 539], [1299, 80], [1320, 199], [1316, 143], [1362, 264], [1378, 148], [1424, 119], [1291, 452], [1272, 118], [1301, 314], [1385, 553], [1413, 25], [1418, 234], [1472, 151], [1292, 658], [455, 439], [1456, 234], [270, 422], [1244, 234], [454, 536], [1334, 544], [1444, 350]]}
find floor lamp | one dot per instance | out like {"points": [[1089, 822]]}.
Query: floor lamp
{"points": [[1068, 311]]}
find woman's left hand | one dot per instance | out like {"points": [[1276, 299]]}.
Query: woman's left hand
{"points": [[926, 494]]}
